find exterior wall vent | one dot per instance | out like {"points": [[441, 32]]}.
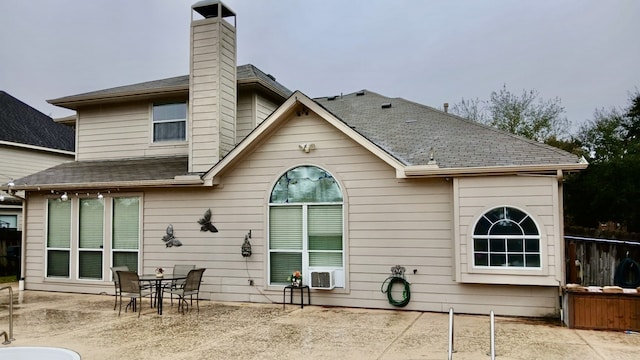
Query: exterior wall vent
{"points": [[386, 105], [360, 93], [323, 280]]}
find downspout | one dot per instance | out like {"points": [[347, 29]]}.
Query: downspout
{"points": [[23, 245], [563, 268]]}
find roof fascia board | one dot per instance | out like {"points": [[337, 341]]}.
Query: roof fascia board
{"points": [[110, 185], [73, 102], [264, 85], [288, 107], [424, 171], [37, 148]]}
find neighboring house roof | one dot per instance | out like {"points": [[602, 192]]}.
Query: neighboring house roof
{"points": [[22, 124], [247, 75], [413, 133]]}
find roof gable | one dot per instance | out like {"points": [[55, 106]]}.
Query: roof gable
{"points": [[297, 103], [23, 124]]}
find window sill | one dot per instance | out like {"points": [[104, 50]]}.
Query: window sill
{"points": [[508, 278], [332, 291], [169, 143]]}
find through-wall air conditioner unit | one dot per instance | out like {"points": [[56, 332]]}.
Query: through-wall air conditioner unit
{"points": [[323, 280]]}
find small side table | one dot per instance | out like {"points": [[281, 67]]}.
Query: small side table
{"points": [[291, 288]]}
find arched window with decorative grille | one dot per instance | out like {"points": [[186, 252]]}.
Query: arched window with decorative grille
{"points": [[506, 237], [306, 230]]}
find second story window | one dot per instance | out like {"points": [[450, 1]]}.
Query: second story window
{"points": [[169, 122]]}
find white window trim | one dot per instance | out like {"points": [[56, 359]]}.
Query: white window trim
{"points": [[74, 247], [489, 238], [341, 274], [152, 123]]}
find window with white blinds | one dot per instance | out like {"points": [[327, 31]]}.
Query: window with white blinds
{"points": [[95, 247], [305, 224], [126, 231], [58, 238], [91, 238], [169, 122]]}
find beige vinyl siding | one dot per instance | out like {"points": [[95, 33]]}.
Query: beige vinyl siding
{"points": [[18, 162], [264, 108], [538, 197], [246, 115], [212, 92], [252, 110], [388, 222], [120, 131], [228, 84]]}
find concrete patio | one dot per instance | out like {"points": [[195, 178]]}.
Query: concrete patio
{"points": [[88, 325]]}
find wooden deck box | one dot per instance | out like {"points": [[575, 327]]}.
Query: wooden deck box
{"points": [[604, 311]]}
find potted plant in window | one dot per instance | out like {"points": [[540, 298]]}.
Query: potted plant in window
{"points": [[295, 278]]}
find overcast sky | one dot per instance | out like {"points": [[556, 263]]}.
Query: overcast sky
{"points": [[587, 53]]}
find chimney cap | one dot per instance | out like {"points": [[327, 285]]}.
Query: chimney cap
{"points": [[209, 9]]}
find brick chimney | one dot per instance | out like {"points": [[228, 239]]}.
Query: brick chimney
{"points": [[212, 84]]}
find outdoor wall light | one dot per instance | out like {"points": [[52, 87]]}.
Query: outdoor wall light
{"points": [[306, 148]]}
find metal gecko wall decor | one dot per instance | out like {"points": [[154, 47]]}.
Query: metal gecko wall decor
{"points": [[205, 222]]}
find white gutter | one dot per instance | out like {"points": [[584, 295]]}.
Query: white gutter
{"points": [[425, 171], [73, 102], [177, 181], [35, 147]]}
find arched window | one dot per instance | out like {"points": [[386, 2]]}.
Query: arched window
{"points": [[305, 225], [506, 237]]}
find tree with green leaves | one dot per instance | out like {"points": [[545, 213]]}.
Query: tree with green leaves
{"points": [[526, 114], [608, 189]]}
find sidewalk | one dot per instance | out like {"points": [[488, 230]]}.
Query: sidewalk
{"points": [[88, 325]]}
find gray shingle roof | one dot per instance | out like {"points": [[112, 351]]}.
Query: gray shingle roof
{"points": [[408, 131], [245, 74], [111, 171], [23, 124]]}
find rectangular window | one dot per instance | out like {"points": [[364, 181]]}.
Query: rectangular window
{"points": [[169, 122], [285, 234], [91, 241], [126, 232], [304, 237], [81, 255], [325, 236], [9, 221], [58, 238]]}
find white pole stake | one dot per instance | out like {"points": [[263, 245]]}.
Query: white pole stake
{"points": [[493, 337], [451, 351]]}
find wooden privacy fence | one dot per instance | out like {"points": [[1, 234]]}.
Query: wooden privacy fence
{"points": [[593, 261]]}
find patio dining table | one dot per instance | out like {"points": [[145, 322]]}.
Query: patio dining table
{"points": [[166, 278]]}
